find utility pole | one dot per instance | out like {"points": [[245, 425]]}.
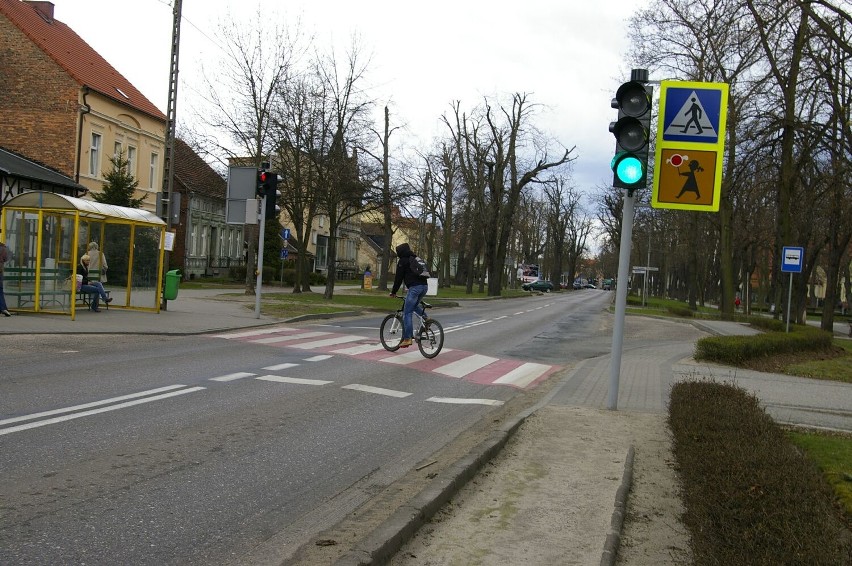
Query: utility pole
{"points": [[171, 117]]}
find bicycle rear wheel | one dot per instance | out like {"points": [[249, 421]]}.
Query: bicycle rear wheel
{"points": [[390, 332], [431, 338]]}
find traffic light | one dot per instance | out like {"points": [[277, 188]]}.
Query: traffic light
{"points": [[632, 132], [272, 210], [262, 180]]}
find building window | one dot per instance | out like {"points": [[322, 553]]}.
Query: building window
{"points": [[193, 242], [117, 150], [95, 155], [131, 161], [322, 253], [155, 162]]}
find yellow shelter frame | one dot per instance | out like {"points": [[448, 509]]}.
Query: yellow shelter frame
{"points": [[47, 233]]}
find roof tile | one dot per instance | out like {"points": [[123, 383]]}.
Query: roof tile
{"points": [[77, 57]]}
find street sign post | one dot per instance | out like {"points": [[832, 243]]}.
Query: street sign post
{"points": [[792, 258], [690, 145]]}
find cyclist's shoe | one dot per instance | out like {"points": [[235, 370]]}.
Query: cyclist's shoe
{"points": [[405, 343]]}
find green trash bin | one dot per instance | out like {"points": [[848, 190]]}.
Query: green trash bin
{"points": [[170, 290]]}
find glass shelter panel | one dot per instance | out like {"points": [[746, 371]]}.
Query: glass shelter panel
{"points": [[144, 266]]}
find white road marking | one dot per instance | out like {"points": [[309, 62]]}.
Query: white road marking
{"points": [[327, 342], [288, 337], [89, 405], [101, 410], [318, 358], [457, 401], [406, 358], [360, 349], [296, 380], [466, 365], [377, 390], [233, 376], [466, 326], [523, 375], [279, 367]]}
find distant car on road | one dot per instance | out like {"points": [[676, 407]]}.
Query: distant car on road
{"points": [[540, 285], [589, 286]]}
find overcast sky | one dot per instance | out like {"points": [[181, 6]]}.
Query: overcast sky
{"points": [[566, 54]]}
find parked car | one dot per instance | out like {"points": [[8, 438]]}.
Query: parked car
{"points": [[540, 285], [589, 286]]}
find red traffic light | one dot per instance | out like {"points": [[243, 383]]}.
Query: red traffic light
{"points": [[262, 176]]}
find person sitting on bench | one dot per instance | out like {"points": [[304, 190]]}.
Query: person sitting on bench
{"points": [[94, 289]]}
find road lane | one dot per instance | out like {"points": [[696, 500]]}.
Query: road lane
{"points": [[275, 443]]}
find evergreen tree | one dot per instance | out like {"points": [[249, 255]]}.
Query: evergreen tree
{"points": [[119, 185]]}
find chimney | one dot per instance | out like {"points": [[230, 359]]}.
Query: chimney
{"points": [[45, 9]]}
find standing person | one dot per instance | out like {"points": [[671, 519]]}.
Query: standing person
{"points": [[4, 256], [97, 261], [417, 287], [94, 288]]}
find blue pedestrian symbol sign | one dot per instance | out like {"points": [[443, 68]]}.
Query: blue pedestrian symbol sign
{"points": [[692, 115], [690, 146]]}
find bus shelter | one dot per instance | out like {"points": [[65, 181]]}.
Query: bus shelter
{"points": [[47, 233]]}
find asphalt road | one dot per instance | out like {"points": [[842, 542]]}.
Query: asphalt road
{"points": [[212, 449]]}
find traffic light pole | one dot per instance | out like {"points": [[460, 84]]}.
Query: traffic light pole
{"points": [[620, 299], [261, 226], [630, 169]]}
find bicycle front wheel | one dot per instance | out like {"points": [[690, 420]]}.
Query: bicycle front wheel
{"points": [[390, 332], [431, 338]]}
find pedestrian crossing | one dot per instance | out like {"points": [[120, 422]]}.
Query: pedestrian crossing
{"points": [[451, 363]]}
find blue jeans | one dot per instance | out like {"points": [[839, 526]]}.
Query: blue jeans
{"points": [[2, 296], [95, 289], [412, 303]]}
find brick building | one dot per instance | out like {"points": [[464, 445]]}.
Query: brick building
{"points": [[63, 105]]}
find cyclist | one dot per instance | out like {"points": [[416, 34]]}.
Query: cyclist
{"points": [[417, 286]]}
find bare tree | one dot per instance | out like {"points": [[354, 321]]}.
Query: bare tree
{"points": [[506, 134], [342, 195], [299, 127], [239, 93]]}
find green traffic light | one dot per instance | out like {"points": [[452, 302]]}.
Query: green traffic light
{"points": [[629, 169]]}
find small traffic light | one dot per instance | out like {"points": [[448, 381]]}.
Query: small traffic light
{"points": [[272, 209], [632, 132], [260, 188]]}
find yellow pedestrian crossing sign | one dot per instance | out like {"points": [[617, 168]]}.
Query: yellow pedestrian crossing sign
{"points": [[690, 145]]}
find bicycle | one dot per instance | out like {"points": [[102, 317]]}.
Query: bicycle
{"points": [[429, 334]]}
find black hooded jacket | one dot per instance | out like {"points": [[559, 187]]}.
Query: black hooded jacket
{"points": [[403, 270]]}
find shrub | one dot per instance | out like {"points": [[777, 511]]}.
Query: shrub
{"points": [[749, 496], [681, 311], [735, 350], [765, 323]]}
